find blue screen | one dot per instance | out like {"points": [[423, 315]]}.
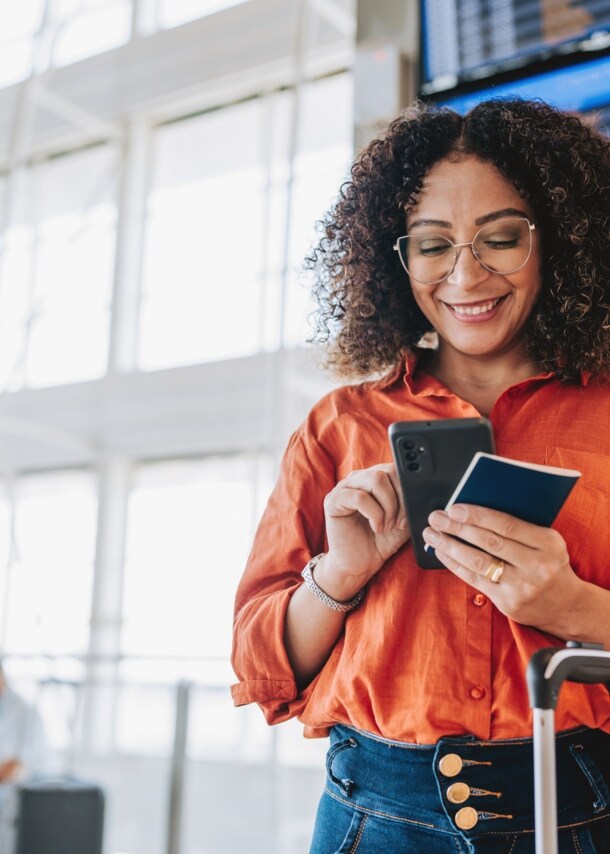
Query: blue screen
{"points": [[583, 88]]}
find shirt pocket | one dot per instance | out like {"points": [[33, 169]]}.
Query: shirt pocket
{"points": [[584, 520]]}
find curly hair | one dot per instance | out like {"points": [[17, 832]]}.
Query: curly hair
{"points": [[367, 318]]}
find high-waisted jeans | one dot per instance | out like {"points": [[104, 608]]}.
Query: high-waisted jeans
{"points": [[459, 795]]}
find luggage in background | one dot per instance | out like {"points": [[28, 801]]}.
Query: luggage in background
{"points": [[53, 816]]}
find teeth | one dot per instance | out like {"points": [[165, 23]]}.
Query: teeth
{"points": [[476, 309]]}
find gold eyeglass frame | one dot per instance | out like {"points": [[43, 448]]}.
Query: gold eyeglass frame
{"points": [[457, 246]]}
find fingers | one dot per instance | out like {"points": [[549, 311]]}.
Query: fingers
{"points": [[472, 551], [476, 545], [370, 492], [401, 516], [469, 563], [503, 525], [494, 532], [374, 493], [469, 536]]}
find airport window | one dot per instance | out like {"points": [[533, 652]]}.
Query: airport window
{"points": [[57, 271], [184, 555], [217, 219], [87, 27], [203, 255], [18, 24], [35, 35], [47, 548], [189, 531]]}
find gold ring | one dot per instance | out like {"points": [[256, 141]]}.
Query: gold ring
{"points": [[495, 570]]}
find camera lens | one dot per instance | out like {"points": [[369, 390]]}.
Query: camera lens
{"points": [[413, 466], [409, 445], [411, 455]]}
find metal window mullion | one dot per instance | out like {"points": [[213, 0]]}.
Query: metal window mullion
{"points": [[16, 187], [100, 684], [129, 255], [32, 180], [266, 155], [144, 18], [10, 560], [279, 404], [175, 806]]}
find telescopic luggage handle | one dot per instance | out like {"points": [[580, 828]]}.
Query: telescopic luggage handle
{"points": [[548, 669]]}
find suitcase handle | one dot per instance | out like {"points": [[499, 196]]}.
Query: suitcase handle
{"points": [[550, 667]]}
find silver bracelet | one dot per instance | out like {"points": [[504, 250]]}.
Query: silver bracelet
{"points": [[324, 597]]}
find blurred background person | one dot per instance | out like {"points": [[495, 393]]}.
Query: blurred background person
{"points": [[23, 743]]}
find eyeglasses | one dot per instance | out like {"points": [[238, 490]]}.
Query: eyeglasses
{"points": [[501, 247]]}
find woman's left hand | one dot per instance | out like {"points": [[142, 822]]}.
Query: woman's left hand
{"points": [[537, 587]]}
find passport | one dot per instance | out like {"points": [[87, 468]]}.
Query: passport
{"points": [[534, 493], [528, 491]]}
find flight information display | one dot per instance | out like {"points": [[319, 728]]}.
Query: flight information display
{"points": [[583, 88], [468, 39]]}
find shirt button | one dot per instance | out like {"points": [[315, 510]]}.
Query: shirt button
{"points": [[479, 600], [478, 692], [513, 393]]}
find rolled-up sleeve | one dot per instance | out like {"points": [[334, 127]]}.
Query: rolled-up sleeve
{"points": [[291, 531]]}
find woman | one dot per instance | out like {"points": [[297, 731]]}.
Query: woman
{"points": [[491, 231]]}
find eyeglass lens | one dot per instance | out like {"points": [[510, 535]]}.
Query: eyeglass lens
{"points": [[501, 247]]}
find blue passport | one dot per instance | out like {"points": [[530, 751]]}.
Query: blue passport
{"points": [[531, 492]]}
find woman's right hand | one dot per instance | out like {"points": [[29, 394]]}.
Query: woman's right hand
{"points": [[365, 525]]}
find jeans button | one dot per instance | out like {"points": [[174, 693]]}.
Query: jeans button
{"points": [[466, 818], [457, 793], [450, 765]]}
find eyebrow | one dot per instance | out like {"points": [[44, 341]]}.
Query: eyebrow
{"points": [[481, 220]]}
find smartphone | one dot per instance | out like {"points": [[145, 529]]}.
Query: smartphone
{"points": [[431, 457]]}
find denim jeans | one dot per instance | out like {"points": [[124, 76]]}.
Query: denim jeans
{"points": [[459, 795]]}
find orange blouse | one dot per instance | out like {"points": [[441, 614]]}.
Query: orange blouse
{"points": [[424, 655]]}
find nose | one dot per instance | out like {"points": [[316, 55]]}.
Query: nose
{"points": [[468, 272]]}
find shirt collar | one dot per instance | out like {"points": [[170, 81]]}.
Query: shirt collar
{"points": [[422, 384], [419, 383]]}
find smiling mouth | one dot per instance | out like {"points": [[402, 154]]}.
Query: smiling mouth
{"points": [[479, 308]]}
